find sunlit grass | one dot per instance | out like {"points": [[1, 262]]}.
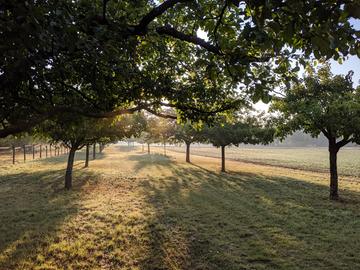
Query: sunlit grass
{"points": [[131, 210], [307, 158]]}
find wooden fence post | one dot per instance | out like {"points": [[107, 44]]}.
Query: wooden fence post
{"points": [[13, 154], [24, 147]]}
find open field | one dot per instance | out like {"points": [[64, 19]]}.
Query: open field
{"points": [[131, 210], [314, 159]]}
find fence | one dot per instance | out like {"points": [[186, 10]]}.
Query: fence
{"points": [[31, 152]]}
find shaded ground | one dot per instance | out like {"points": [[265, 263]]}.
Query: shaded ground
{"points": [[131, 210]]}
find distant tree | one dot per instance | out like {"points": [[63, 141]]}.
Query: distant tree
{"points": [[188, 134], [323, 103], [151, 133], [166, 131], [78, 132], [244, 130]]}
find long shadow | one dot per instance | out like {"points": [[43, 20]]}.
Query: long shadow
{"points": [[148, 160], [248, 221], [33, 207], [125, 148]]}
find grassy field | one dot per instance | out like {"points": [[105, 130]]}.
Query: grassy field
{"points": [[131, 210], [315, 159]]}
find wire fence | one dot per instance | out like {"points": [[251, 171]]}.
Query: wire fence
{"points": [[31, 152]]}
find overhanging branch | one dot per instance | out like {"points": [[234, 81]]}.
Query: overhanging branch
{"points": [[170, 31]]}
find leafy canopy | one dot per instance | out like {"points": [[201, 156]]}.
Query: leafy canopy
{"points": [[321, 103], [110, 57]]}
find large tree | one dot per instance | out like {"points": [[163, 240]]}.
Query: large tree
{"points": [[323, 103], [104, 58]]}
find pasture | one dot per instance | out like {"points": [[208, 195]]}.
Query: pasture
{"points": [[305, 158], [131, 210]]}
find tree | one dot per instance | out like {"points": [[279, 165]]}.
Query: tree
{"points": [[166, 130], [76, 133], [107, 58], [188, 134], [151, 134], [244, 130], [323, 103]]}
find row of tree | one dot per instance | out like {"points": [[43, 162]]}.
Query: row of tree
{"points": [[242, 129], [320, 104]]}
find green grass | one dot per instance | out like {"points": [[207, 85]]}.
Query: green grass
{"points": [[131, 210], [307, 158]]}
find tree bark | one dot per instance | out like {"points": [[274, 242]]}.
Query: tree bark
{"points": [[188, 152], [69, 169], [94, 150], [13, 154], [24, 152], [148, 148], [87, 156], [223, 158], [333, 150]]}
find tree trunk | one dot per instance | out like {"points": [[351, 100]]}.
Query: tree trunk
{"points": [[94, 150], [87, 156], [13, 154], [69, 169], [334, 195], [188, 152], [164, 148], [148, 148], [223, 158]]}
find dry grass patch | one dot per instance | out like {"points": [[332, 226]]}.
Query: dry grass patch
{"points": [[130, 210]]}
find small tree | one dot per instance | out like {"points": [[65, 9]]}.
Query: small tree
{"points": [[323, 103], [246, 130], [188, 134], [166, 131], [151, 133], [75, 133]]}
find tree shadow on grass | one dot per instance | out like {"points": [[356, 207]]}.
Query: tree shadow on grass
{"points": [[125, 148], [150, 160], [248, 221], [33, 207]]}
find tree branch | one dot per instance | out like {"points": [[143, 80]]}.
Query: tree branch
{"points": [[168, 116], [141, 28], [343, 142], [170, 31]]}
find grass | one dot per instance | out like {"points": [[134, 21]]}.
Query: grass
{"points": [[306, 158], [131, 210]]}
